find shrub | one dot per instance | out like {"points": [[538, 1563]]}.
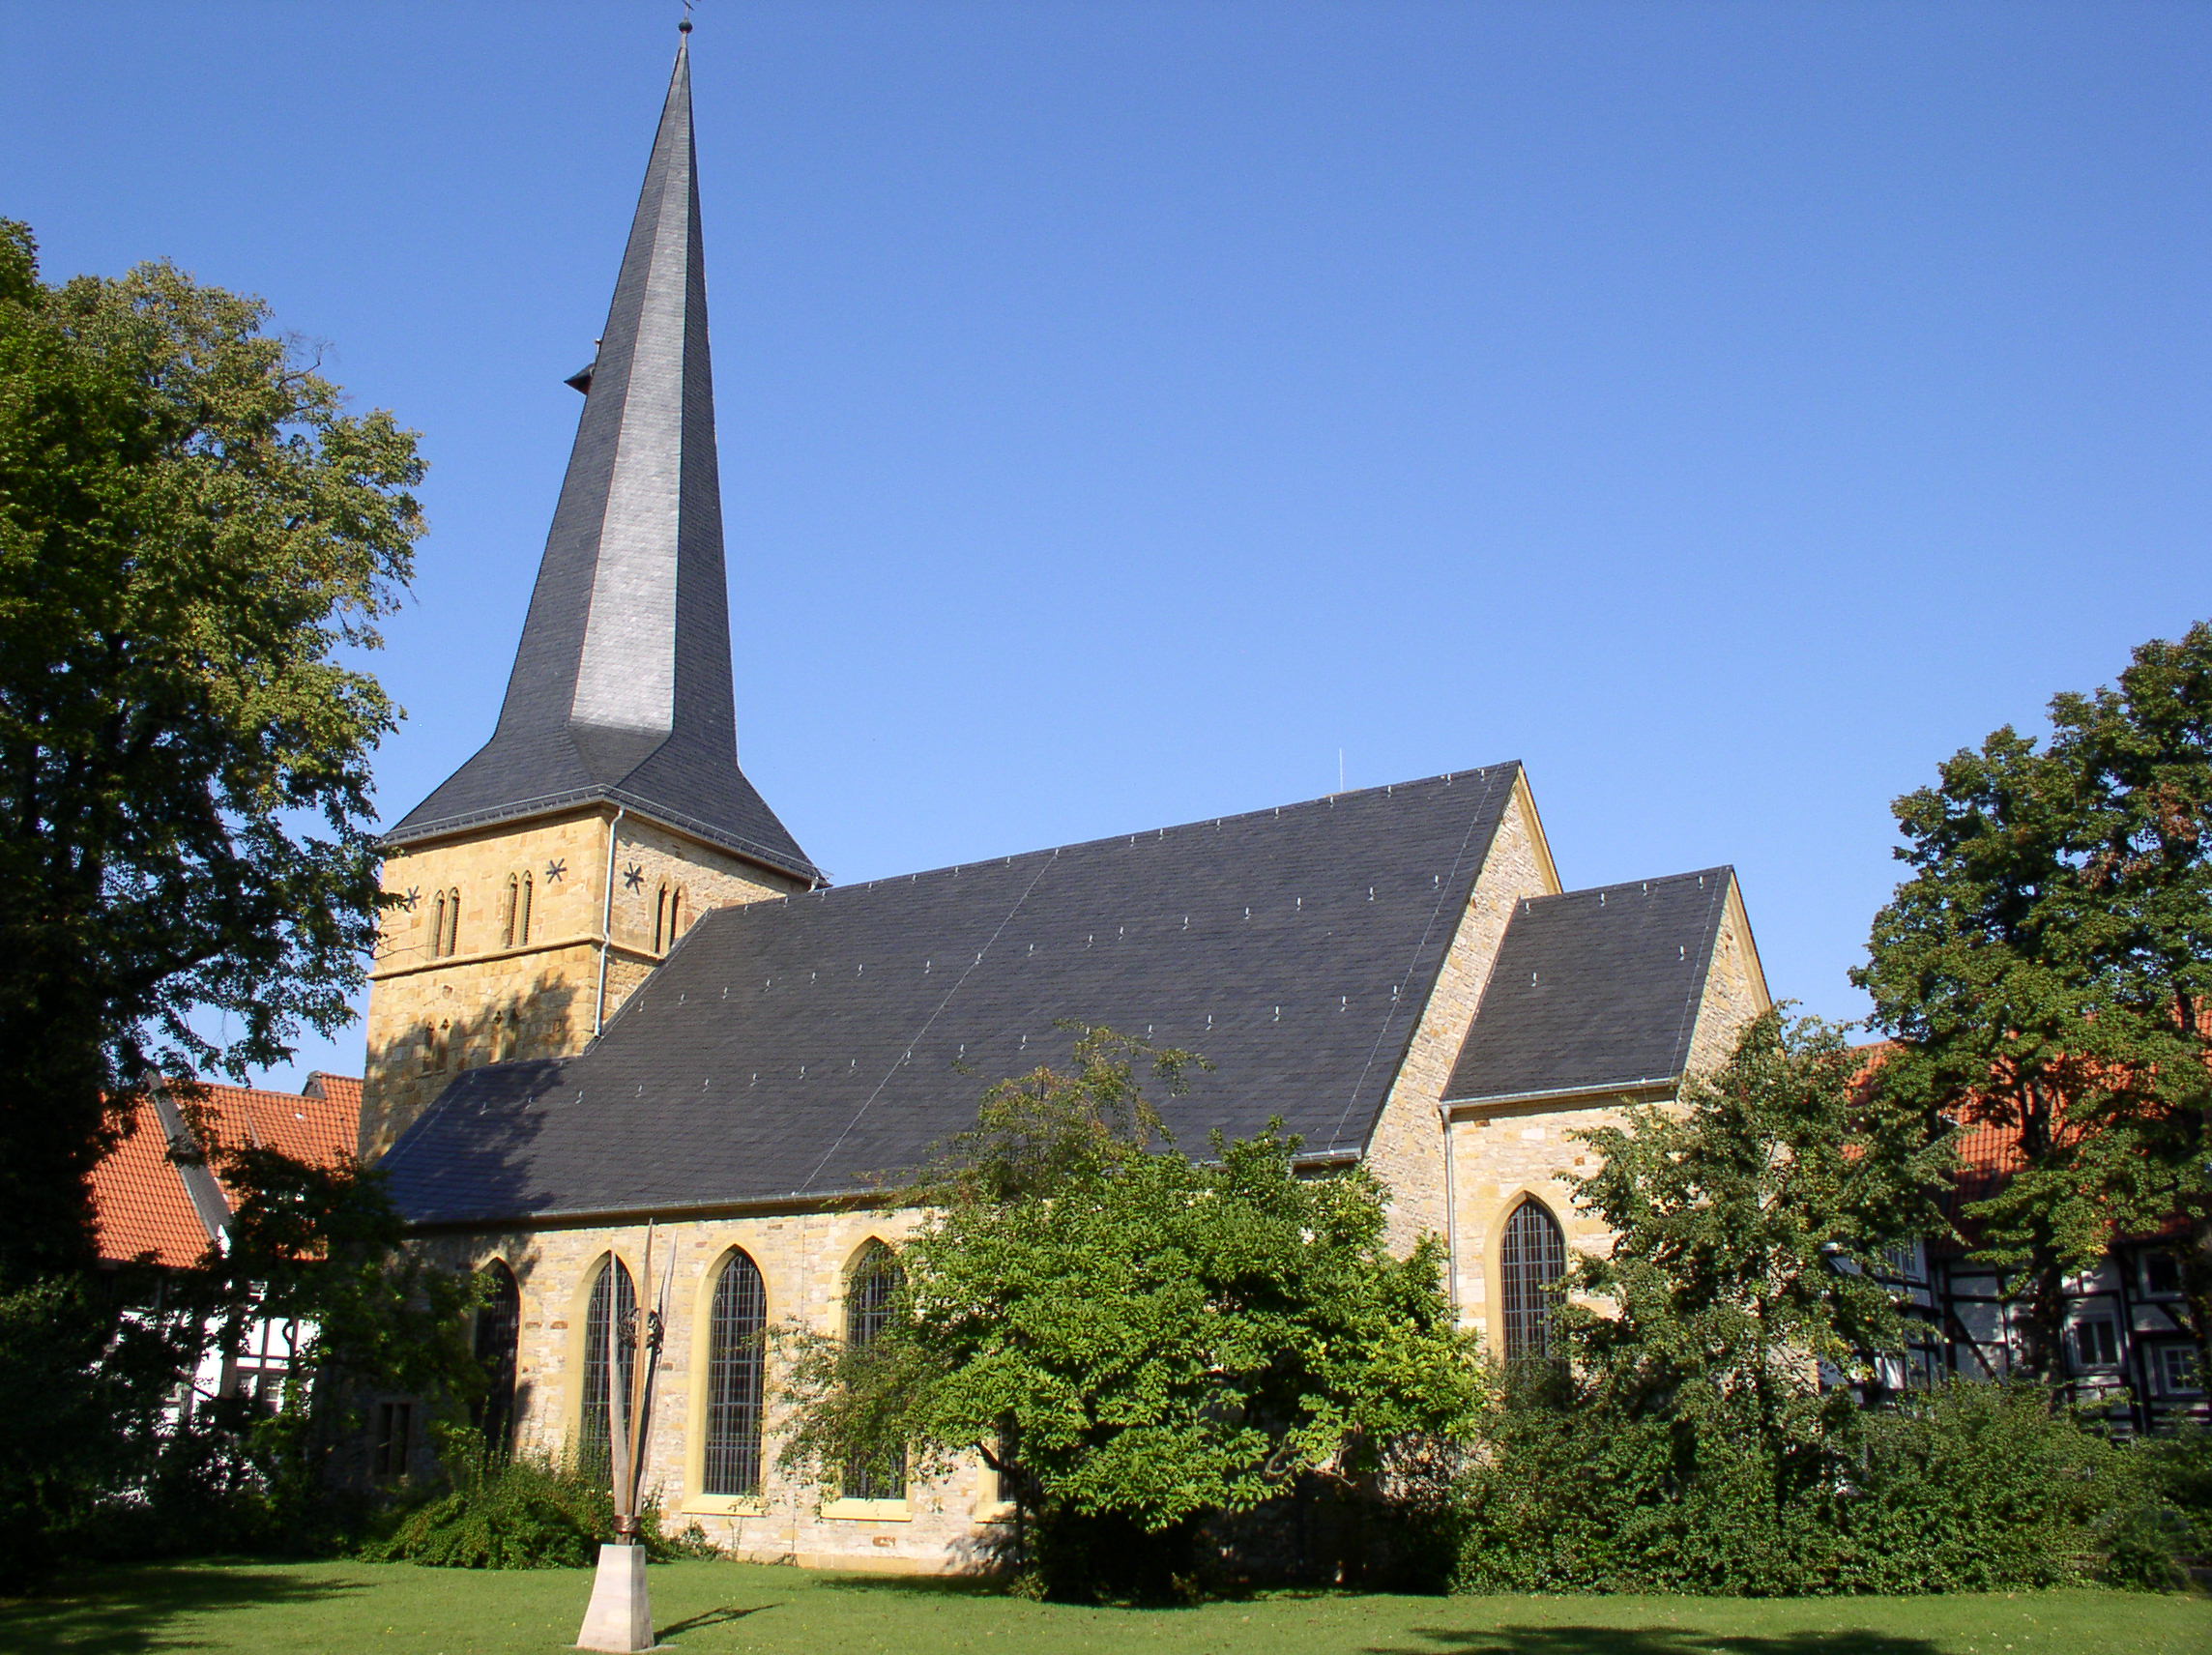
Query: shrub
{"points": [[519, 1513], [1971, 1487]]}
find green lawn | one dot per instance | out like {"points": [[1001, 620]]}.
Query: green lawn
{"points": [[345, 1608]]}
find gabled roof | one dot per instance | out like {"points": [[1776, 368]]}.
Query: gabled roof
{"points": [[1595, 988], [798, 1047], [621, 688], [148, 1201]]}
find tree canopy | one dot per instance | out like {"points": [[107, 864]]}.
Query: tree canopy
{"points": [[1752, 1224], [1137, 1340], [196, 539], [2047, 970]]}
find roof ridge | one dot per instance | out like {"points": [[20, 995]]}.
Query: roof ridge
{"points": [[1446, 778]]}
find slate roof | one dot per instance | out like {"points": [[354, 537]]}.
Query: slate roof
{"points": [[621, 688], [1595, 988], [799, 1048]]}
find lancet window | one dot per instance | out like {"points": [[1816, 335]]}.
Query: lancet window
{"points": [[609, 1328], [499, 1348], [736, 1372], [874, 1279], [1531, 1260], [516, 930]]}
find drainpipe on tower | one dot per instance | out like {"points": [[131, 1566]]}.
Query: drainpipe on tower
{"points": [[606, 925]]}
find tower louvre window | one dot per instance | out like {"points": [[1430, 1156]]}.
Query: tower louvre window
{"points": [[737, 1357], [609, 1328], [446, 925], [1530, 1262], [875, 1278]]}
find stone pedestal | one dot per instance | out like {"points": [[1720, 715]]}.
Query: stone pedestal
{"points": [[620, 1618]]}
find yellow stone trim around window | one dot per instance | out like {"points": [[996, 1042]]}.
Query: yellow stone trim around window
{"points": [[869, 1511], [723, 1505]]}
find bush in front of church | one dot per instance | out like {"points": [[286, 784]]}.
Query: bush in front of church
{"points": [[1972, 1487], [524, 1511], [1141, 1342]]}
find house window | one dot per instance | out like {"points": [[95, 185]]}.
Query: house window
{"points": [[499, 1348], [2096, 1344], [2177, 1369], [1532, 1260], [2161, 1274], [610, 1330], [874, 1280], [395, 1425], [737, 1356]]}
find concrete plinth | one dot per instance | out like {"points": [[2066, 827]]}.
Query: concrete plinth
{"points": [[620, 1618]]}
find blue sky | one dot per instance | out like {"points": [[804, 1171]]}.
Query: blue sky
{"points": [[1729, 409]]}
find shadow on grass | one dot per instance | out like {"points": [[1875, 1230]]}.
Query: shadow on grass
{"points": [[124, 1612], [709, 1617], [1655, 1640]]}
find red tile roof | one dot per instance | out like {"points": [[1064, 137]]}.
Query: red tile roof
{"points": [[140, 1201]]}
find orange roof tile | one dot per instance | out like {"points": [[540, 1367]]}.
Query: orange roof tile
{"points": [[140, 1205]]}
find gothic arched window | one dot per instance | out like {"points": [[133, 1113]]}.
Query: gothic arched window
{"points": [[1531, 1260], [499, 1344], [869, 1286], [438, 927], [522, 919], [614, 1305], [675, 915], [737, 1371], [513, 911], [661, 920]]}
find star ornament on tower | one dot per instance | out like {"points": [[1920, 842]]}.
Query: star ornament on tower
{"points": [[633, 876]]}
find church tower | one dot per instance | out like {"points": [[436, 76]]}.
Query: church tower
{"points": [[551, 871]]}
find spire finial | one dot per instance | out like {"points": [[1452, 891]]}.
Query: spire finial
{"points": [[685, 27]]}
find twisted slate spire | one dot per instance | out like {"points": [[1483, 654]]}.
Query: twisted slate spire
{"points": [[621, 688]]}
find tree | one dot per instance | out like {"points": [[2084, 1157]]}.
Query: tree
{"points": [[1751, 1225], [1137, 1341], [2048, 970], [195, 542], [1695, 1435]]}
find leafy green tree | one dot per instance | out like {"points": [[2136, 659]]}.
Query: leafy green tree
{"points": [[195, 542], [1750, 1220], [2048, 969], [1136, 1341]]}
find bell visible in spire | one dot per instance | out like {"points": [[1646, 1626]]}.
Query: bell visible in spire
{"points": [[621, 688]]}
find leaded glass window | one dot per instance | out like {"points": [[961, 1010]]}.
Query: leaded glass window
{"points": [[737, 1363], [874, 1280], [1532, 1260], [612, 1314]]}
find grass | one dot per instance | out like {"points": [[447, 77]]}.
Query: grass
{"points": [[398, 1608]]}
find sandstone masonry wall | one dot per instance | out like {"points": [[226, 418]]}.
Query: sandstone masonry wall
{"points": [[1406, 1149], [498, 995]]}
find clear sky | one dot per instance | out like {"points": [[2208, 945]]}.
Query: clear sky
{"points": [[1729, 409]]}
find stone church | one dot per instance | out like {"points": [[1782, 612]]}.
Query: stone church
{"points": [[616, 990]]}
